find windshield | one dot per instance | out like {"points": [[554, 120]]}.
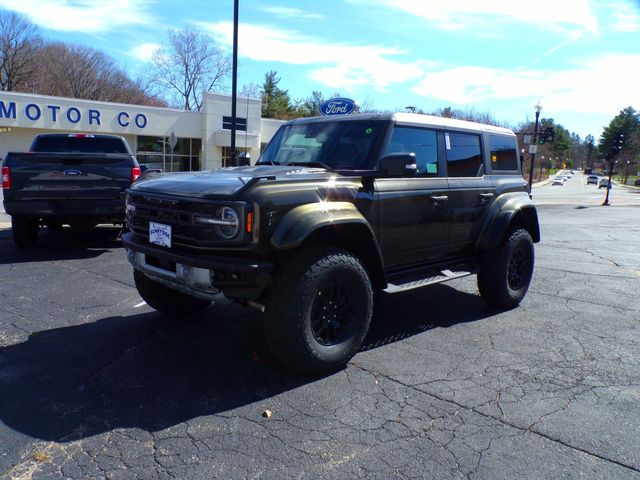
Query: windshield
{"points": [[346, 145]]}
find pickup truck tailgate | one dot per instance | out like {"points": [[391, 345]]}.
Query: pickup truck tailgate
{"points": [[80, 176]]}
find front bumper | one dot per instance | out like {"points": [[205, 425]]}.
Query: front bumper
{"points": [[201, 276]]}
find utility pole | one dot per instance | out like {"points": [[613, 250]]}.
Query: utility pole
{"points": [[234, 84]]}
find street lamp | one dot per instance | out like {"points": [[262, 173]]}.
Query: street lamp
{"points": [[538, 109]]}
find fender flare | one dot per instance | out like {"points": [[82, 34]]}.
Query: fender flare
{"points": [[302, 221], [508, 208]]}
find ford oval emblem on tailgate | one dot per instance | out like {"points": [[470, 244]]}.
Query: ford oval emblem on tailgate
{"points": [[72, 172]]}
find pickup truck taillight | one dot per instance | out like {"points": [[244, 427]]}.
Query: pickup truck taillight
{"points": [[6, 178], [135, 173]]}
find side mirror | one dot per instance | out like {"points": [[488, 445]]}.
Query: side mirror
{"points": [[398, 165]]}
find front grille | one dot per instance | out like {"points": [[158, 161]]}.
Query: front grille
{"points": [[179, 214]]}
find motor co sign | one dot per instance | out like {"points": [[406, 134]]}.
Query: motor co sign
{"points": [[53, 114]]}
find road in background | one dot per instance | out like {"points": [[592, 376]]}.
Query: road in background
{"points": [[94, 384], [577, 192]]}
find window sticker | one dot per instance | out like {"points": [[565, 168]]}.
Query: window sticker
{"points": [[368, 131], [447, 141], [432, 168]]}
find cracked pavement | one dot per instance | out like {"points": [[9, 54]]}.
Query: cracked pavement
{"points": [[92, 385]]}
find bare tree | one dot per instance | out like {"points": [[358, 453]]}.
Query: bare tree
{"points": [[190, 66], [19, 40], [79, 71]]}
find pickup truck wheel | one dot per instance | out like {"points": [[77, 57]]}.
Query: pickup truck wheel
{"points": [[318, 310], [24, 230], [165, 299], [506, 272]]}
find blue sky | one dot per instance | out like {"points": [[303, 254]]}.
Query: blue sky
{"points": [[581, 58]]}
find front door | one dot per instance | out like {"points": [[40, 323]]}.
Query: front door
{"points": [[413, 213]]}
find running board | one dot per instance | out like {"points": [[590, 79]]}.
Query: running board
{"points": [[431, 278]]}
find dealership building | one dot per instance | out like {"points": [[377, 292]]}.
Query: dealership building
{"points": [[202, 138]]}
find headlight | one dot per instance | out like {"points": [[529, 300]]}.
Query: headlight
{"points": [[226, 222]]}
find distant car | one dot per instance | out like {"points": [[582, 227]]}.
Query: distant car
{"points": [[637, 183], [592, 179], [145, 168], [558, 181], [603, 182]]}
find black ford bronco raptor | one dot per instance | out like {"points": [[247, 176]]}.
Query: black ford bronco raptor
{"points": [[335, 210]]}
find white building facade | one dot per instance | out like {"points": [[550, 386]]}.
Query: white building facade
{"points": [[203, 138]]}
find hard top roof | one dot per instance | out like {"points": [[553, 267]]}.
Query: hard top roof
{"points": [[408, 119]]}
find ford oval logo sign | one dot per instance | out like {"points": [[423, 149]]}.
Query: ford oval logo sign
{"points": [[72, 172], [337, 106]]}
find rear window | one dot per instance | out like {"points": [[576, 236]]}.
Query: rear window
{"points": [[79, 145], [503, 153], [464, 157]]}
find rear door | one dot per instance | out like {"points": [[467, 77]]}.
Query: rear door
{"points": [[413, 212], [471, 191]]}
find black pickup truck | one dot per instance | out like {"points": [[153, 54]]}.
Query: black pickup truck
{"points": [[335, 210], [74, 179]]}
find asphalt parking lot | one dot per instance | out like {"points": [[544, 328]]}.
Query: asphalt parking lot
{"points": [[94, 384]]}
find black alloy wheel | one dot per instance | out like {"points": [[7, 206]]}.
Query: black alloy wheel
{"points": [[519, 267], [332, 313]]}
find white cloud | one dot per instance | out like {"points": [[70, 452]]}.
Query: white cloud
{"points": [[286, 12], [625, 18], [459, 14], [88, 16], [144, 52], [338, 65], [599, 85]]}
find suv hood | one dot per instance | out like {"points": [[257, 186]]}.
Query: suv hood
{"points": [[223, 182]]}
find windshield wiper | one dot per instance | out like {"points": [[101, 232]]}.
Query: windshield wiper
{"points": [[310, 164], [268, 162]]}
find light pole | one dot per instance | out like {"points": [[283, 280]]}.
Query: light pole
{"points": [[234, 84], [538, 108]]}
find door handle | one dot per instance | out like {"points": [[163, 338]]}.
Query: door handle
{"points": [[485, 198], [439, 198]]}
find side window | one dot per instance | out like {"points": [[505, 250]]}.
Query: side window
{"points": [[503, 153], [464, 156], [420, 141]]}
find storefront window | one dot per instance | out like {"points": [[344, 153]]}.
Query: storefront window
{"points": [[156, 152], [226, 155]]}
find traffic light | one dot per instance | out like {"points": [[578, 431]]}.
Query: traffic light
{"points": [[546, 135], [549, 134], [618, 141]]}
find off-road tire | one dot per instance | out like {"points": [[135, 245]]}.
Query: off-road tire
{"points": [[297, 330], [24, 230], [165, 299], [506, 272]]}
